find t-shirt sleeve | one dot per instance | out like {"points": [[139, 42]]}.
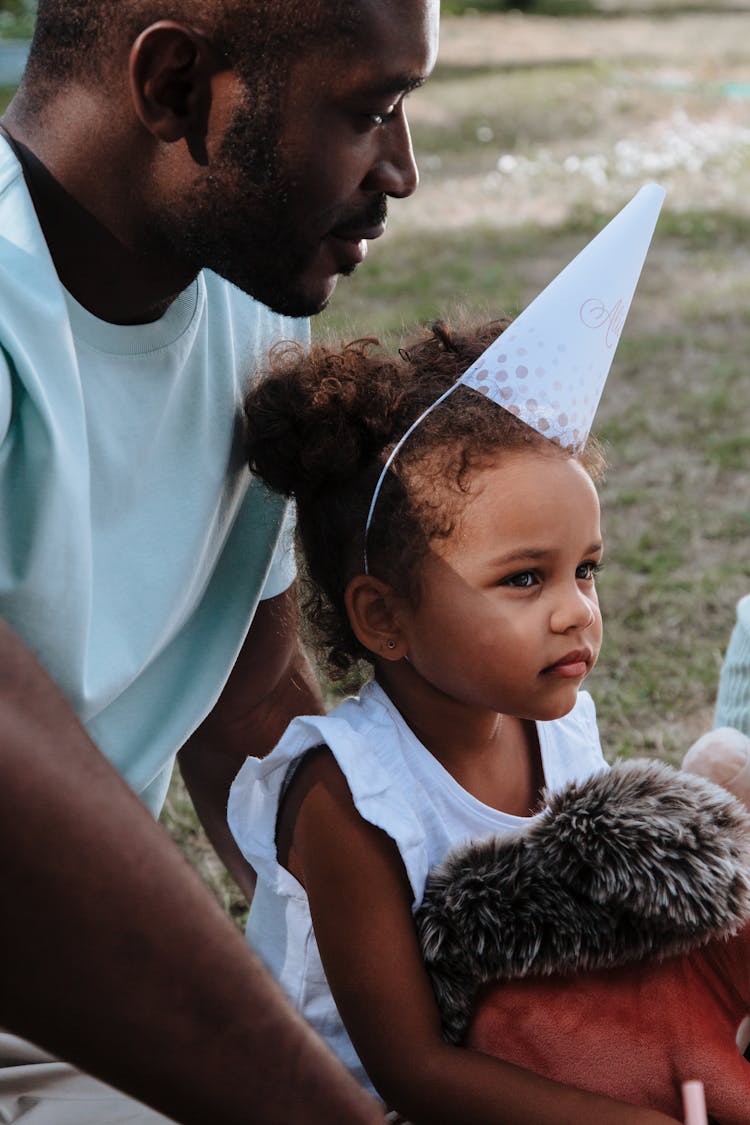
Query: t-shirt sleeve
{"points": [[572, 748], [733, 701], [283, 569], [5, 398], [591, 726]]}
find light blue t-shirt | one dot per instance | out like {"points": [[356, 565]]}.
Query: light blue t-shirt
{"points": [[134, 544]]}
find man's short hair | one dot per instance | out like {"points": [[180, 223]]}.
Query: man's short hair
{"points": [[74, 39]]}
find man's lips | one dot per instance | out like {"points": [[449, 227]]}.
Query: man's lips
{"points": [[572, 665], [358, 234], [349, 244], [352, 241], [347, 241]]}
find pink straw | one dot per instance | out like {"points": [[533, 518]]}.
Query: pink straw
{"points": [[694, 1102]]}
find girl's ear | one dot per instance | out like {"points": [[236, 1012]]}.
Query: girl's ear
{"points": [[172, 68], [371, 607]]}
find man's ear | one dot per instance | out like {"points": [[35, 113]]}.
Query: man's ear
{"points": [[372, 609], [171, 72]]}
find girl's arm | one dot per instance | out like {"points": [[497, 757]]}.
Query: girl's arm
{"points": [[360, 901]]}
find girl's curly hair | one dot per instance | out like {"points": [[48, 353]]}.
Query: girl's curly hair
{"points": [[320, 426]]}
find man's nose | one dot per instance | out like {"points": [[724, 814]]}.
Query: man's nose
{"points": [[394, 171]]}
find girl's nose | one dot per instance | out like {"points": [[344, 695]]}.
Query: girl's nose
{"points": [[573, 611]]}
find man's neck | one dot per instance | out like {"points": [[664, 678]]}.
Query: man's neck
{"points": [[95, 261]]}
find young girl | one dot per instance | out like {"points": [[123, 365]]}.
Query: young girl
{"points": [[476, 609]]}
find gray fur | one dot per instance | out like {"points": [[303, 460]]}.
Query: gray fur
{"points": [[638, 861]]}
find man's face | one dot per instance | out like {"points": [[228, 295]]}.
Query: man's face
{"points": [[301, 179]]}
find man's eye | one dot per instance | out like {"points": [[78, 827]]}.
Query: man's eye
{"points": [[523, 580], [382, 118]]}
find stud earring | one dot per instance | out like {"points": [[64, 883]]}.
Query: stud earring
{"points": [[390, 643]]}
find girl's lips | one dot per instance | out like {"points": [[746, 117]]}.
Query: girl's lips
{"points": [[572, 666]]}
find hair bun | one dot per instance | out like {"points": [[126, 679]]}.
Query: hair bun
{"points": [[321, 417]]}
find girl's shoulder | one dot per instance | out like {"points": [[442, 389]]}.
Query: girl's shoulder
{"points": [[364, 748]]}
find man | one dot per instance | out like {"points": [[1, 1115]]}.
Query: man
{"points": [[156, 151]]}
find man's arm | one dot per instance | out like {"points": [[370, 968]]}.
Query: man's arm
{"points": [[113, 955], [271, 683]]}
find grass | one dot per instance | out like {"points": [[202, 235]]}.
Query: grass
{"points": [[537, 7], [16, 19], [469, 105]]}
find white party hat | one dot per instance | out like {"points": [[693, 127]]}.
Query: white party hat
{"points": [[550, 365]]}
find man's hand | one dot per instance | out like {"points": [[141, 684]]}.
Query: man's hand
{"points": [[271, 683]]}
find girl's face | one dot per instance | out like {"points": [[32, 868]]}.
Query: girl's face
{"points": [[509, 618]]}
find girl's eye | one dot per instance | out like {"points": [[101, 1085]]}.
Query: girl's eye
{"points": [[588, 571], [522, 581]]}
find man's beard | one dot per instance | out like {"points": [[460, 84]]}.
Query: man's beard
{"points": [[239, 220], [236, 223], [255, 248]]}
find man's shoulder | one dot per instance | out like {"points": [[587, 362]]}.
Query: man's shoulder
{"points": [[10, 169], [27, 274], [18, 222]]}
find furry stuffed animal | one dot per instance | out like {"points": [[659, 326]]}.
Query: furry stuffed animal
{"points": [[607, 945]]}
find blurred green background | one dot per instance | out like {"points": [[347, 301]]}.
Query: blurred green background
{"points": [[541, 120]]}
